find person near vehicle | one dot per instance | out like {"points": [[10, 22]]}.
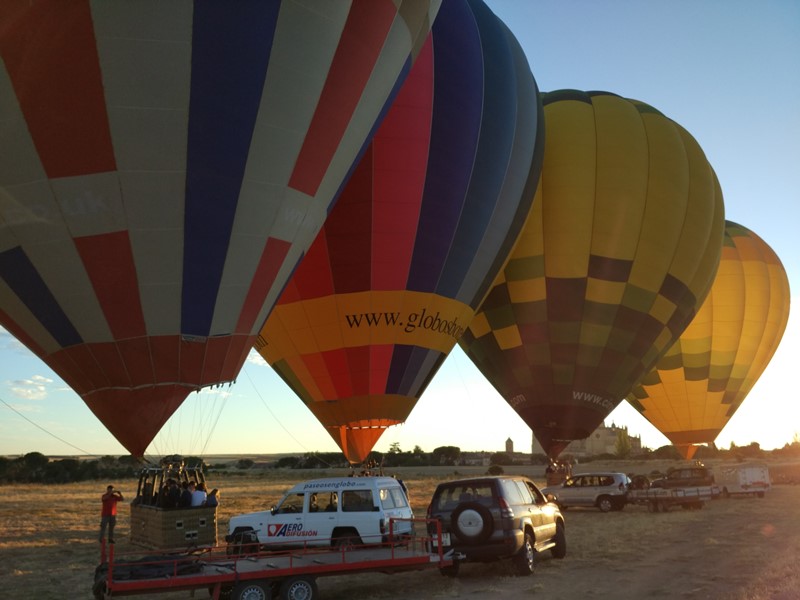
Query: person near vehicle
{"points": [[108, 514]]}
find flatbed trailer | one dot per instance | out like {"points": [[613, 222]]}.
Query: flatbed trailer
{"points": [[260, 575], [662, 499]]}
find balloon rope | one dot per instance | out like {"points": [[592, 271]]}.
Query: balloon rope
{"points": [[82, 451], [244, 370]]}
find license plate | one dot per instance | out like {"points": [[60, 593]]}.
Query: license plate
{"points": [[445, 540]]}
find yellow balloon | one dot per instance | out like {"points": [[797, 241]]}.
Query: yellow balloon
{"points": [[705, 376], [618, 252]]}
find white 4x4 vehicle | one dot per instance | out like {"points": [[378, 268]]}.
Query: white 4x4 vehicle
{"points": [[327, 512]]}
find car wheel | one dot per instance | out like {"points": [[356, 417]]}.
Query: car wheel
{"points": [[243, 541], [346, 539], [523, 561], [604, 503], [560, 549], [471, 523]]}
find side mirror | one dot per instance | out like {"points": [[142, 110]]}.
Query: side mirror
{"points": [[551, 498], [272, 509]]}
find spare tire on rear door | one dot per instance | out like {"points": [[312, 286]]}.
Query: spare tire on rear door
{"points": [[471, 523]]}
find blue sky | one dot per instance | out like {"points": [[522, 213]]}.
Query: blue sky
{"points": [[726, 70]]}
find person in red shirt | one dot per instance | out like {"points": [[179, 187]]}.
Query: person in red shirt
{"points": [[108, 516]]}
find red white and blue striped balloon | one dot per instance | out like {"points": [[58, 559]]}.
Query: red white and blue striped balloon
{"points": [[163, 167]]}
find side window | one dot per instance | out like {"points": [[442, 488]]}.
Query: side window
{"points": [[393, 498], [357, 501], [293, 503], [322, 502], [538, 497], [606, 480], [511, 491], [524, 492]]}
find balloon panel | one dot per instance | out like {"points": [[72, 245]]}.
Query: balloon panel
{"points": [[701, 381], [417, 235], [617, 253], [163, 166]]}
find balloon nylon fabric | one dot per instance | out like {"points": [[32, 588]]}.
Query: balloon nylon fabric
{"points": [[697, 386], [617, 254], [163, 167], [417, 236]]}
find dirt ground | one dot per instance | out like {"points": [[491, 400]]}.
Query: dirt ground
{"points": [[732, 549]]}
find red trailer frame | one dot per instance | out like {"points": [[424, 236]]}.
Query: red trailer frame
{"points": [[214, 570]]}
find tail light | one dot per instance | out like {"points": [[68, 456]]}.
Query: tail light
{"points": [[505, 509]]}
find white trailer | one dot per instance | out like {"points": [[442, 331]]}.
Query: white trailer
{"points": [[743, 479]]}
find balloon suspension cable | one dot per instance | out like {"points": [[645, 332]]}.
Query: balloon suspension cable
{"points": [[63, 441], [289, 433]]}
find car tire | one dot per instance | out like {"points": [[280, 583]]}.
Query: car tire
{"points": [[299, 588], [605, 503], [523, 561], [560, 549], [252, 590], [471, 523]]}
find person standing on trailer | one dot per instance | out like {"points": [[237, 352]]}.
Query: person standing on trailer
{"points": [[108, 515]]}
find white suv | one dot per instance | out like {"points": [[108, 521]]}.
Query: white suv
{"points": [[335, 511], [606, 491]]}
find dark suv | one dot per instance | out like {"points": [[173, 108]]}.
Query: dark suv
{"points": [[487, 518], [680, 477]]}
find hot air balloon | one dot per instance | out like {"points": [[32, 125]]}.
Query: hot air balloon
{"points": [[701, 381], [417, 236], [164, 165], [618, 252]]}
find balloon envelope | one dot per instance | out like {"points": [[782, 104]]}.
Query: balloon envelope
{"points": [[163, 166], [619, 250], [701, 381], [418, 235]]}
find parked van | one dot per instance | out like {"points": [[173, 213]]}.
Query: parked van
{"points": [[334, 511], [744, 479]]}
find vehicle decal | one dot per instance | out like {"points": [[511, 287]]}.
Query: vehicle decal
{"points": [[289, 530]]}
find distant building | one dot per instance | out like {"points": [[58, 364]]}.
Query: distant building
{"points": [[602, 441], [509, 446]]}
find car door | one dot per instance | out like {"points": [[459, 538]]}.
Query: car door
{"points": [[320, 516], [545, 521], [285, 522], [583, 491]]}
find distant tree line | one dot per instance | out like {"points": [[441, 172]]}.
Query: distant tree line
{"points": [[35, 467]]}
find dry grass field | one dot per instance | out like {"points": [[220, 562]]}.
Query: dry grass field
{"points": [[736, 549]]}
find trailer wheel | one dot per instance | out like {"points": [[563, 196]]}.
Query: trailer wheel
{"points": [[299, 588], [99, 589], [252, 590]]}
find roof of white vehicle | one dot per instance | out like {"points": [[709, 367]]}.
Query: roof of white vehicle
{"points": [[343, 483]]}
